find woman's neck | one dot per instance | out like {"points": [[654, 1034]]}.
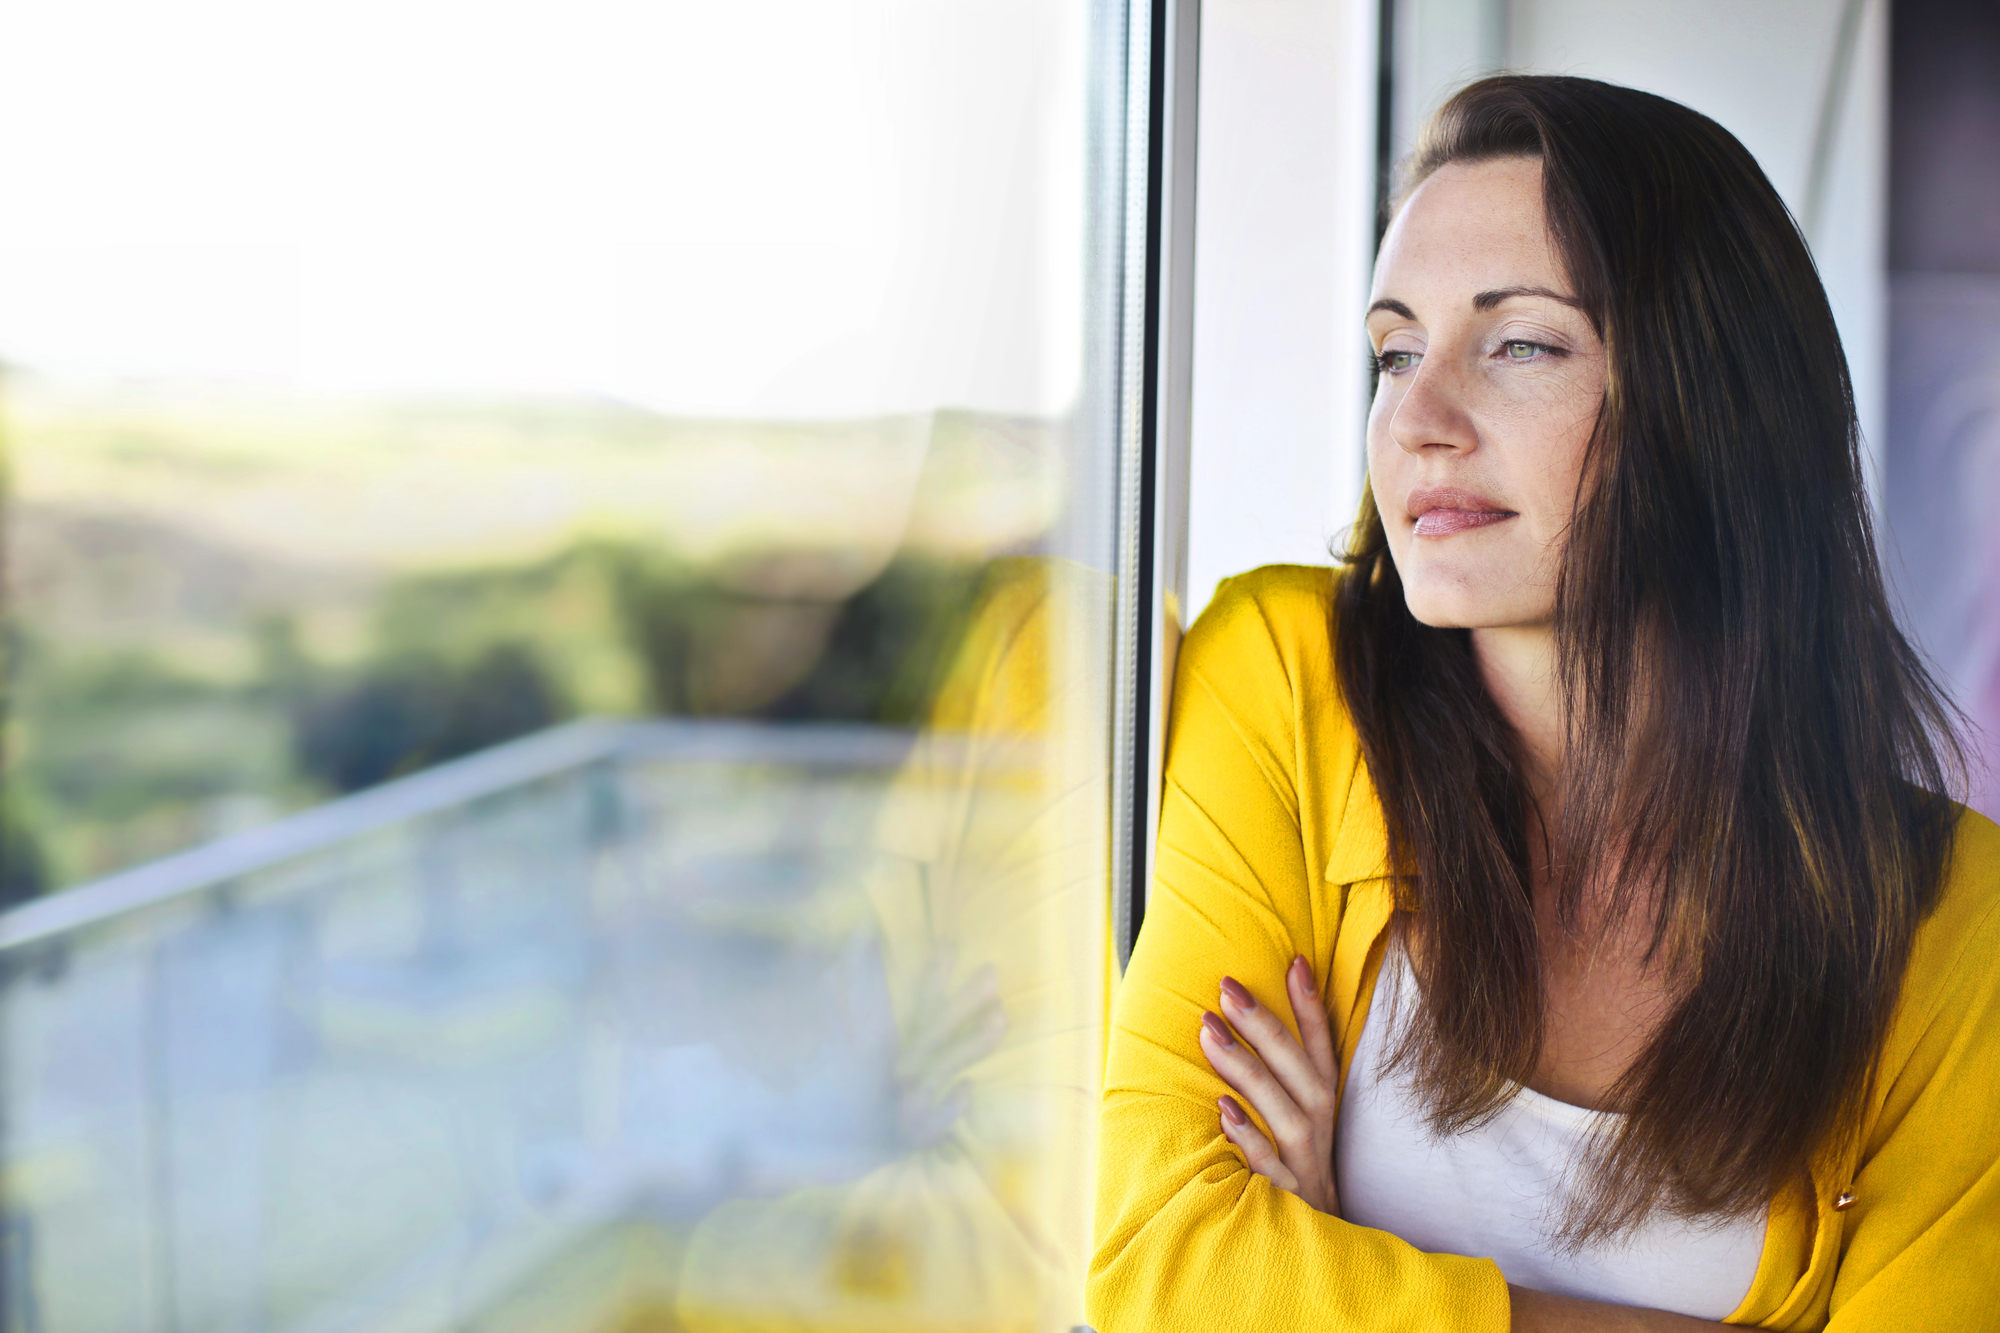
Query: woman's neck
{"points": [[1604, 996], [1518, 665]]}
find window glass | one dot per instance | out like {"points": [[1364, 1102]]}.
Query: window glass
{"points": [[557, 661]]}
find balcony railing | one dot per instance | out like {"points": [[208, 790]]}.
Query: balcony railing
{"points": [[378, 1064]]}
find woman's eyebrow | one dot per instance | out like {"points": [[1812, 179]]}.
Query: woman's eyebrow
{"points": [[1487, 300], [1394, 308]]}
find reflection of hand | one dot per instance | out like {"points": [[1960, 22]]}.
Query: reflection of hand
{"points": [[1288, 1082], [950, 1027]]}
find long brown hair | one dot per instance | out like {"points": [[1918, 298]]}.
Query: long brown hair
{"points": [[1772, 790]]}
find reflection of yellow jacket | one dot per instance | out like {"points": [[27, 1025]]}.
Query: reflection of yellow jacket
{"points": [[1271, 845], [991, 856]]}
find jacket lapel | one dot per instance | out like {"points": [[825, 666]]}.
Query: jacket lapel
{"points": [[1358, 867]]}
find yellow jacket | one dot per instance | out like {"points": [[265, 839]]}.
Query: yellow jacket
{"points": [[1272, 844]]}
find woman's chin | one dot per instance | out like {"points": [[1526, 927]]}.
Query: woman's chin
{"points": [[1459, 607]]}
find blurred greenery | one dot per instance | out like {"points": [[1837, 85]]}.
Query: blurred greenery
{"points": [[408, 713], [888, 646], [23, 874], [223, 605], [119, 752]]}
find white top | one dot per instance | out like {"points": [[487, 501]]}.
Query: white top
{"points": [[1496, 1190]]}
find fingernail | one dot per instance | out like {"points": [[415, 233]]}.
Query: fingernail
{"points": [[1304, 969], [1232, 1112], [1217, 1029], [1239, 997]]}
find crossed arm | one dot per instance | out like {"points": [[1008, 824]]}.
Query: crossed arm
{"points": [[1196, 1229], [1291, 1083]]}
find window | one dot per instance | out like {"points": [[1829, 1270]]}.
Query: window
{"points": [[563, 615]]}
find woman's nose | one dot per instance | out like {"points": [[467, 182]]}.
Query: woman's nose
{"points": [[1431, 414]]}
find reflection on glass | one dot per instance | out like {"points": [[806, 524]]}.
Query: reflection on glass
{"points": [[988, 920], [556, 664]]}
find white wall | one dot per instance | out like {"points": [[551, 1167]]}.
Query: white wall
{"points": [[1283, 234], [1440, 45], [1760, 68]]}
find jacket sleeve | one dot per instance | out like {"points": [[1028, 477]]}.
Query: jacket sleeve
{"points": [[1921, 1245], [1187, 1237]]}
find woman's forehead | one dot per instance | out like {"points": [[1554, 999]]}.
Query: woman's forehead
{"points": [[1476, 226]]}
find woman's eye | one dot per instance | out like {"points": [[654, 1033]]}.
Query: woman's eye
{"points": [[1521, 351], [1395, 363]]}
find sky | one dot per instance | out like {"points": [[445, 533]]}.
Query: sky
{"points": [[764, 208]]}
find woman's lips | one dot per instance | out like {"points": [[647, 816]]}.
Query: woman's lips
{"points": [[1443, 510], [1444, 522]]}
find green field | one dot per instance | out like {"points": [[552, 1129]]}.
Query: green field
{"points": [[226, 605]]}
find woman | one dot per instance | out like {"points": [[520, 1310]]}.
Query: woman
{"points": [[1556, 921]]}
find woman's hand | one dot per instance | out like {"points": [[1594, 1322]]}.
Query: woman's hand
{"points": [[1288, 1081]]}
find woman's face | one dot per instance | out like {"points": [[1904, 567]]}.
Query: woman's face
{"points": [[1490, 388]]}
